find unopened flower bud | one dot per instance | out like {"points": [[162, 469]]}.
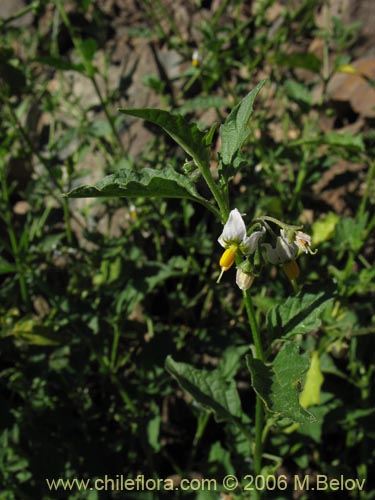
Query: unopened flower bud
{"points": [[244, 280]]}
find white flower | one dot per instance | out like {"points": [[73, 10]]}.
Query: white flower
{"points": [[234, 234], [283, 252], [303, 241], [234, 239]]}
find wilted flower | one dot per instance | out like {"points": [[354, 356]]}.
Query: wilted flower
{"points": [[284, 250]]}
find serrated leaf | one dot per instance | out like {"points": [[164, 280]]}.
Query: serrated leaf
{"points": [[314, 379], [187, 135], [234, 130], [166, 183], [277, 384], [208, 388], [300, 314]]}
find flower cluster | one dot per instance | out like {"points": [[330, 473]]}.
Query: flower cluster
{"points": [[255, 252]]}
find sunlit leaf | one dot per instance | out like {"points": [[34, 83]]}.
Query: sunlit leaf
{"points": [[187, 135], [234, 130], [314, 379], [323, 229], [127, 183]]}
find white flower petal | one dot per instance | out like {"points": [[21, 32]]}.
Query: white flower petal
{"points": [[234, 230], [250, 243], [286, 251], [271, 252], [303, 241], [283, 252]]}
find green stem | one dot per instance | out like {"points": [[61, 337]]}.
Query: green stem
{"points": [[259, 353], [206, 173], [34, 6], [107, 114], [254, 326], [255, 332]]}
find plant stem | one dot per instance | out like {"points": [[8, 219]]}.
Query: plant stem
{"points": [[255, 332], [206, 173], [254, 326], [259, 354]]}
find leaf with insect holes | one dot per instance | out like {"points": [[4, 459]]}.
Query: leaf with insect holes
{"points": [[187, 135], [277, 383], [234, 130]]}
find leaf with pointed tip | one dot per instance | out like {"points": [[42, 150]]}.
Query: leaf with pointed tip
{"points": [[187, 135], [209, 388], [276, 384], [166, 183], [234, 130], [300, 314]]}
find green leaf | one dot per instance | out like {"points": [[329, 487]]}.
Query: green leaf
{"points": [[349, 232], [30, 331], [299, 60], [277, 384], [166, 183], [208, 388], [202, 102], [346, 140], [187, 135], [88, 49], [7, 267], [61, 64], [314, 380], [323, 229], [300, 314], [298, 92], [334, 139], [234, 130]]}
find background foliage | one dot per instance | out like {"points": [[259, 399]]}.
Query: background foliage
{"points": [[96, 295]]}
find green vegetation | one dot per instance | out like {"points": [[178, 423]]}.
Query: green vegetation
{"points": [[122, 351]]}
